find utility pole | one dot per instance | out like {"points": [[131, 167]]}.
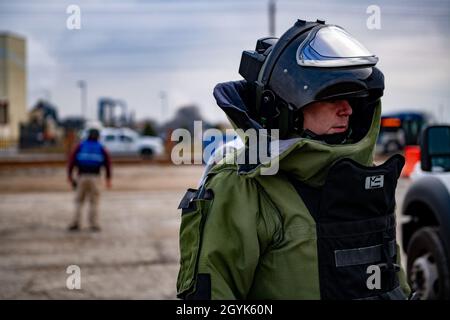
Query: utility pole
{"points": [[164, 105], [442, 117], [83, 87], [47, 95], [272, 12]]}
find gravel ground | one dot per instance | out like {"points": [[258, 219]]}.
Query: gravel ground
{"points": [[135, 256]]}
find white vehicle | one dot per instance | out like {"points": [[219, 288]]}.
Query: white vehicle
{"points": [[127, 142], [426, 207]]}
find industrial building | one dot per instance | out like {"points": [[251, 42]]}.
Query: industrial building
{"points": [[13, 76]]}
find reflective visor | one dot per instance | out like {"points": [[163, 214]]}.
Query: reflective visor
{"points": [[332, 46]]}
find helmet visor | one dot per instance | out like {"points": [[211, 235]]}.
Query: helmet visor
{"points": [[332, 46]]}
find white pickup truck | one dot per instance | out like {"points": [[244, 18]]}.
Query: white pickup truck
{"points": [[127, 142], [426, 212]]}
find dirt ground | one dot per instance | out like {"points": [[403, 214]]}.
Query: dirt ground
{"points": [[135, 256]]}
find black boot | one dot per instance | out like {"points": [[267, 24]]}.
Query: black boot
{"points": [[73, 227]]}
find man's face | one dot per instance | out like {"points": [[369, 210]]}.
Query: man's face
{"points": [[327, 117]]}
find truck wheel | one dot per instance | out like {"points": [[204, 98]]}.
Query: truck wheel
{"points": [[146, 153], [428, 268]]}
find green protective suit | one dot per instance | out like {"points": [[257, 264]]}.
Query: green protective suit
{"points": [[254, 238]]}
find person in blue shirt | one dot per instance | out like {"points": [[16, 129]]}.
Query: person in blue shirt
{"points": [[88, 157]]}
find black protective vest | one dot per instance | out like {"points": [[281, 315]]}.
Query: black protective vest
{"points": [[354, 213]]}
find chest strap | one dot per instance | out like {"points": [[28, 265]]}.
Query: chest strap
{"points": [[365, 255]]}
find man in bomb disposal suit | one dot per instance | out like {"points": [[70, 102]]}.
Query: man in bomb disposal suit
{"points": [[323, 226]]}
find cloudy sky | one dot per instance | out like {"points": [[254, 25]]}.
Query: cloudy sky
{"points": [[134, 50]]}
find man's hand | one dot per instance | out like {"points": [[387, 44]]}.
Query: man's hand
{"points": [[72, 182], [108, 183]]}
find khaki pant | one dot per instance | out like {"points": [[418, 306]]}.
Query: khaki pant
{"points": [[88, 186]]}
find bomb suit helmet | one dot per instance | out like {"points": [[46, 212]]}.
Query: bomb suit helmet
{"points": [[311, 62]]}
